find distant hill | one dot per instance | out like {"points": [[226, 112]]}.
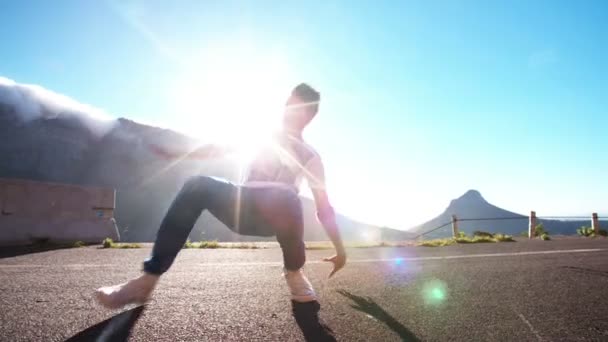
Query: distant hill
{"points": [[49, 143], [472, 205]]}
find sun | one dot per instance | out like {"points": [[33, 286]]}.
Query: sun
{"points": [[230, 97]]}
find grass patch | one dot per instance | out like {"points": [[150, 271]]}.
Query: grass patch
{"points": [[188, 244], [208, 244], [243, 245], [127, 245], [437, 242], [314, 246], [545, 237], [78, 244], [589, 232], [539, 230], [503, 238], [213, 244], [585, 231], [463, 239], [482, 233], [202, 244], [483, 239], [109, 243]]}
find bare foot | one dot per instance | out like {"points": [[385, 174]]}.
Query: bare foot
{"points": [[136, 291]]}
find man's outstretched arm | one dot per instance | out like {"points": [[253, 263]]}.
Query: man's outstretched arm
{"points": [[200, 153], [327, 217], [325, 213]]}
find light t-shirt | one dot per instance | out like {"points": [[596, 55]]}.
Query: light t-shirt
{"points": [[287, 159]]}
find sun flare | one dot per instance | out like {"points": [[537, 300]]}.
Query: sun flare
{"points": [[234, 98]]}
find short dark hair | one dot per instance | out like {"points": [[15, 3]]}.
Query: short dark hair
{"points": [[307, 94]]}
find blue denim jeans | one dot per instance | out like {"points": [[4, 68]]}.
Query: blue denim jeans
{"points": [[260, 210]]}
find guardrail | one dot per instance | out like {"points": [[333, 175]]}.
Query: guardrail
{"points": [[532, 222]]}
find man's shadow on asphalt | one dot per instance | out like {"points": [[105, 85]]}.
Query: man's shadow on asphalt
{"points": [[118, 328], [307, 318], [114, 329], [370, 307]]}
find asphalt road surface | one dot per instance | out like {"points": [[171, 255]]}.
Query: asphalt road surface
{"points": [[523, 291]]}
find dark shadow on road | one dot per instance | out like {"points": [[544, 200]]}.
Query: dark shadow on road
{"points": [[368, 306], [115, 329], [307, 317], [589, 271], [14, 251]]}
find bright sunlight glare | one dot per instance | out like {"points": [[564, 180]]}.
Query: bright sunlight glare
{"points": [[231, 95]]}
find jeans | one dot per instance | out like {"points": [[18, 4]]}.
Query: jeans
{"points": [[258, 210]]}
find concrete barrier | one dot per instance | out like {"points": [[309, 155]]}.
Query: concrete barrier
{"points": [[34, 211]]}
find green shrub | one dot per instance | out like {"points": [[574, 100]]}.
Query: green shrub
{"points": [[589, 232], [585, 231], [482, 233], [244, 246], [107, 243], [212, 244], [478, 239], [126, 245], [79, 244], [462, 235], [209, 244], [503, 238], [545, 237], [189, 244], [539, 230], [437, 242], [475, 239]]}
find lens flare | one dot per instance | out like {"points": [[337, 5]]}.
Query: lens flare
{"points": [[434, 292]]}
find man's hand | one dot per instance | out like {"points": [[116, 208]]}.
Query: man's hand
{"points": [[339, 260]]}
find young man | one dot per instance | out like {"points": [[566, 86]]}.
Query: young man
{"points": [[266, 204]]}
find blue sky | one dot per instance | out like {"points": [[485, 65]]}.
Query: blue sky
{"points": [[422, 100]]}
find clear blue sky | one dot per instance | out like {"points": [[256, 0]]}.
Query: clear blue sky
{"points": [[422, 100]]}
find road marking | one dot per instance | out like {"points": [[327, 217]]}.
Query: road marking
{"points": [[470, 256], [275, 263], [529, 326]]}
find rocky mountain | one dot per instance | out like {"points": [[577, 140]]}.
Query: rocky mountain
{"points": [[475, 213], [57, 144]]}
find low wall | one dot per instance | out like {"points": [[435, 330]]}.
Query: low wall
{"points": [[57, 212]]}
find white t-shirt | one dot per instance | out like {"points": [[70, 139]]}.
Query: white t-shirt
{"points": [[286, 160]]}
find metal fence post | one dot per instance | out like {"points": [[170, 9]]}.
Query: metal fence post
{"points": [[454, 226], [595, 224], [532, 227]]}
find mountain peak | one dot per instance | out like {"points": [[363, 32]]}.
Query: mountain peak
{"points": [[472, 195], [470, 198]]}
